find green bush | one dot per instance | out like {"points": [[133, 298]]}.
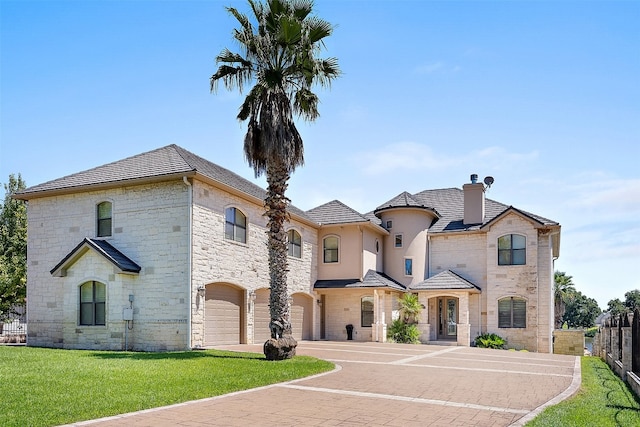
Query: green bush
{"points": [[401, 332], [490, 341], [591, 332]]}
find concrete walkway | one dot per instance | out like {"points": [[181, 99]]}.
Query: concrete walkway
{"points": [[377, 384]]}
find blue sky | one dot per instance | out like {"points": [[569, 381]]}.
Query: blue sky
{"points": [[544, 96]]}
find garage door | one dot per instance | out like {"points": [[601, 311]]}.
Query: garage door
{"points": [[223, 315], [301, 316], [261, 317]]}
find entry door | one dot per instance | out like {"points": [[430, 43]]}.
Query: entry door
{"points": [[447, 318]]}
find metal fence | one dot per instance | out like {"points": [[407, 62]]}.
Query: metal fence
{"points": [[14, 329], [617, 342]]}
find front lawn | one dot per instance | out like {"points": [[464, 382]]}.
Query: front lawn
{"points": [[46, 387], [603, 400]]}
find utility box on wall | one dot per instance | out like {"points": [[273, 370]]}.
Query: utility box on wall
{"points": [[127, 313]]}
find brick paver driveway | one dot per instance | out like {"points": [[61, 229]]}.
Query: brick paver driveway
{"points": [[378, 384]]}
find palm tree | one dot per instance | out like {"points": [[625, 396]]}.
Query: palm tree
{"points": [[562, 289], [280, 57]]}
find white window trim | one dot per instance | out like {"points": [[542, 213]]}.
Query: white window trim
{"points": [[404, 266], [401, 240], [301, 245]]}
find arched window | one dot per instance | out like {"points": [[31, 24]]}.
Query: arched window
{"points": [[93, 296], [512, 313], [512, 250], [103, 216], [330, 246], [235, 226], [366, 312], [295, 243]]}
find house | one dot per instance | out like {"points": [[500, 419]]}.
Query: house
{"points": [[167, 251]]}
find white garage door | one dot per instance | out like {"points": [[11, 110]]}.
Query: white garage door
{"points": [[261, 317], [223, 315], [301, 319]]}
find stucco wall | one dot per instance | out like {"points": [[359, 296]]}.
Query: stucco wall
{"points": [[413, 225], [350, 260]]}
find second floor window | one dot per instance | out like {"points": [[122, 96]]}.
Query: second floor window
{"points": [[295, 243], [235, 225], [104, 219], [408, 267], [397, 241], [330, 247], [512, 250]]}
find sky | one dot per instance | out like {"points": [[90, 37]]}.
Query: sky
{"points": [[542, 95]]}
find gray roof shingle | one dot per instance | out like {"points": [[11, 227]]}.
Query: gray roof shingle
{"points": [[335, 212], [104, 248], [165, 161], [446, 280], [372, 279]]}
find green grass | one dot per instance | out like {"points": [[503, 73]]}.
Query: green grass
{"points": [[45, 387], [603, 400]]}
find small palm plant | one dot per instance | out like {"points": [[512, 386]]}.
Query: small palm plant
{"points": [[405, 329]]}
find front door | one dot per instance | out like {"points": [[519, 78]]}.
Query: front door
{"points": [[447, 318]]}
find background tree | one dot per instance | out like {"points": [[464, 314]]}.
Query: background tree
{"points": [[279, 56], [13, 248], [563, 286], [581, 311], [616, 307], [632, 300]]}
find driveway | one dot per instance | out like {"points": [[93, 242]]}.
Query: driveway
{"points": [[377, 384]]}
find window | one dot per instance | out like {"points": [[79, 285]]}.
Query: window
{"points": [[389, 224], [235, 226], [512, 250], [366, 312], [330, 245], [398, 241], [104, 219], [92, 303], [408, 267], [512, 313], [295, 243], [377, 246]]}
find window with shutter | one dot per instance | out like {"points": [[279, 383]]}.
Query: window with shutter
{"points": [[512, 313]]}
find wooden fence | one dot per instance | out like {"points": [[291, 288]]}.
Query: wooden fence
{"points": [[617, 342]]}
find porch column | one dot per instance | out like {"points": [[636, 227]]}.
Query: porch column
{"points": [[423, 320], [464, 327]]}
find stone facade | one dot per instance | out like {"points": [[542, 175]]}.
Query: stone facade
{"points": [[193, 282]]}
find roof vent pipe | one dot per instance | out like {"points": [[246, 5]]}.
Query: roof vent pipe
{"points": [[474, 178]]}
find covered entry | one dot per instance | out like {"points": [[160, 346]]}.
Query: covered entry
{"points": [[223, 314], [448, 300]]}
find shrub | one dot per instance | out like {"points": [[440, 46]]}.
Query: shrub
{"points": [[401, 332], [490, 341], [591, 332]]}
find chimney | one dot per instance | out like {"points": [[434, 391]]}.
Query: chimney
{"points": [[473, 201]]}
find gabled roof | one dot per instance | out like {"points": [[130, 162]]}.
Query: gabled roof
{"points": [[170, 162], [445, 281], [335, 212], [102, 247], [449, 203], [372, 279], [405, 200]]}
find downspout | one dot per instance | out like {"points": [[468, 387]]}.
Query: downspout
{"points": [[361, 253], [190, 258]]}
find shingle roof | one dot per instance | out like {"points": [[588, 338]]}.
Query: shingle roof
{"points": [[165, 161], [405, 200], [446, 280], [335, 212], [104, 248], [372, 279]]}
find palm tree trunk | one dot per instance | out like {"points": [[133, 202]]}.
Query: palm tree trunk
{"points": [[281, 345]]}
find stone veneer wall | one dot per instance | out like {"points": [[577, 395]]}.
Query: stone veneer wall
{"points": [[217, 260], [150, 226], [570, 342]]}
